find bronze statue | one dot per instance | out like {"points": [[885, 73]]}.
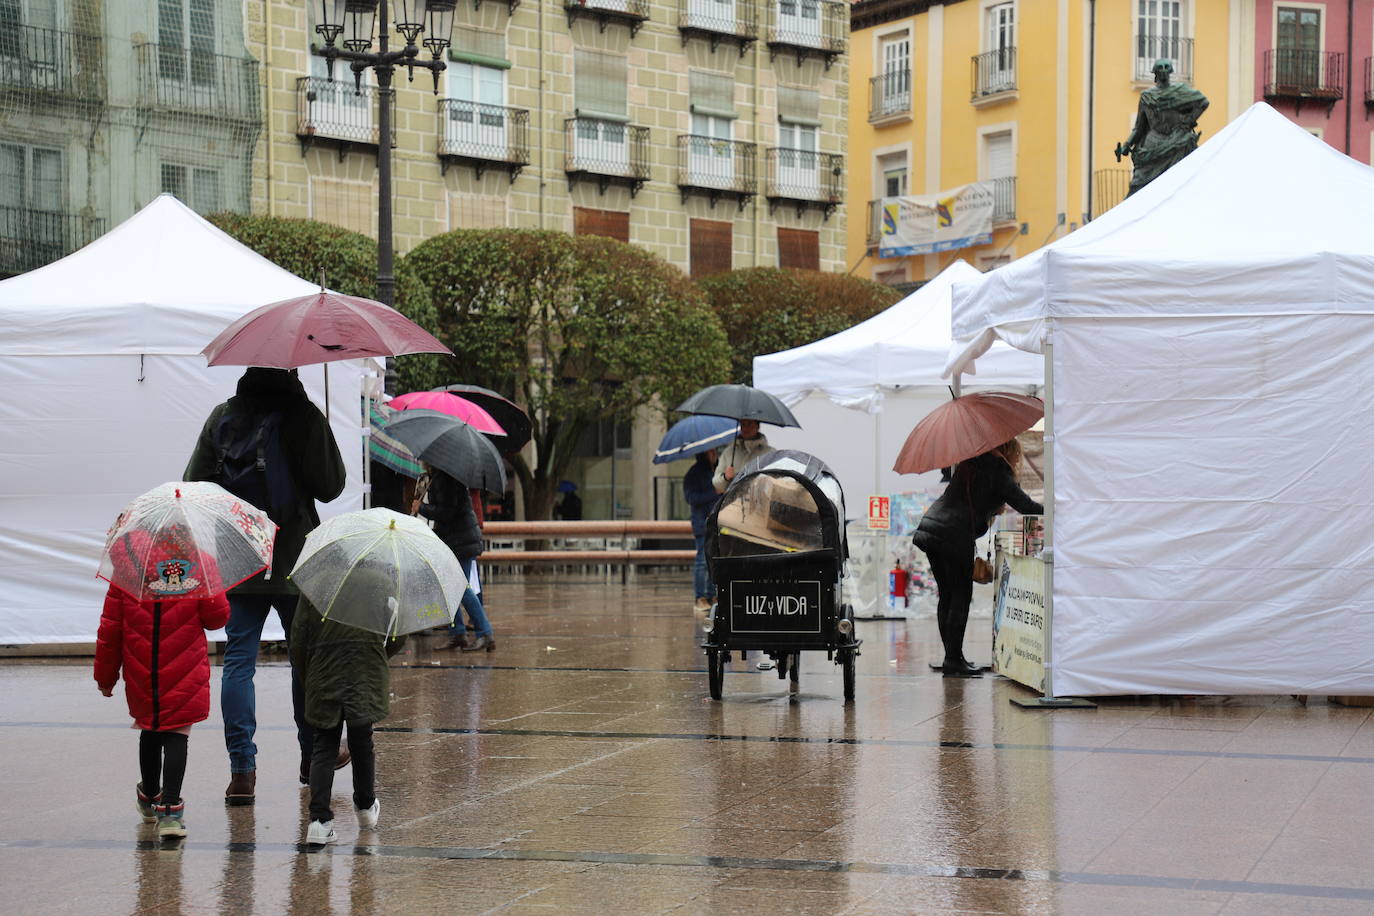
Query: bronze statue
{"points": [[1164, 127]]}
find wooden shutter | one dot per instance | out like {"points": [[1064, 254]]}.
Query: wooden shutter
{"points": [[800, 248], [711, 247], [611, 223]]}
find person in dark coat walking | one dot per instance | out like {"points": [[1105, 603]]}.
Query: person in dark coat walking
{"points": [[701, 497], [316, 472], [450, 507], [976, 493]]}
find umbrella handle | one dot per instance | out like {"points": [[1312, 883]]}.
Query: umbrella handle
{"points": [[395, 615]]}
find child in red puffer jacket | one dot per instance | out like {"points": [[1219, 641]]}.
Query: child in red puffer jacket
{"points": [[159, 643]]}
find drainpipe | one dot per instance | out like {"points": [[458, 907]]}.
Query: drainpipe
{"points": [[267, 101], [758, 138], [1349, 67], [540, 130], [1092, 84]]}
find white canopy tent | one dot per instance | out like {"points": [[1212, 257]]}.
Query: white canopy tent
{"points": [[1208, 428], [858, 393], [106, 392]]}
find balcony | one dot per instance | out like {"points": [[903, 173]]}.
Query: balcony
{"points": [[807, 27], [873, 224], [607, 152], [1368, 81], [1150, 48], [716, 168], [1110, 187], [483, 135], [337, 113], [805, 178], [633, 13], [889, 97], [994, 75], [195, 82], [1003, 199], [720, 20], [30, 239], [1304, 76], [49, 63]]}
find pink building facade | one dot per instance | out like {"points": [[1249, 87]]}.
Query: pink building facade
{"points": [[1313, 63]]}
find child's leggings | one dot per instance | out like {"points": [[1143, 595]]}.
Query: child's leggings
{"points": [[162, 754], [322, 767]]}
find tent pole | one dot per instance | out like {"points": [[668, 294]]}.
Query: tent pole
{"points": [[878, 448]]}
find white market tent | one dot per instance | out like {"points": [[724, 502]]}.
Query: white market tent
{"points": [[858, 393], [106, 392], [1209, 426]]}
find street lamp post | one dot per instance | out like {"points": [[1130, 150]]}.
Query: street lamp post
{"points": [[353, 19]]}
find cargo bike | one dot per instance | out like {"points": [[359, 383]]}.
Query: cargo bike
{"points": [[776, 548]]}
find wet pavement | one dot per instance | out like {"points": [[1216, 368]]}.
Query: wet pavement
{"points": [[582, 767]]}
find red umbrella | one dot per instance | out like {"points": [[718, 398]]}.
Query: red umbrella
{"points": [[966, 427], [450, 404], [320, 328]]}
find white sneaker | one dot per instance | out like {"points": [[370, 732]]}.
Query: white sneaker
{"points": [[367, 817], [321, 833]]}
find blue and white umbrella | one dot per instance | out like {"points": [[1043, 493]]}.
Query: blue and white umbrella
{"points": [[695, 434]]}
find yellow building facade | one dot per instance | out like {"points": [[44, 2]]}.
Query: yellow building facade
{"points": [[1030, 95]]}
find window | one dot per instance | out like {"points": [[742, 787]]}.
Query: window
{"points": [[31, 200], [799, 173], [999, 167], [799, 22], [611, 223], [800, 248], [1158, 34], [1297, 62], [600, 96], [198, 188], [894, 91], [186, 41], [711, 247], [892, 173], [710, 154], [338, 109], [477, 119], [716, 15], [36, 43], [1000, 41]]}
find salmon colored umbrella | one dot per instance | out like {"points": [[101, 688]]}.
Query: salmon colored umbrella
{"points": [[967, 427], [320, 328], [451, 404]]}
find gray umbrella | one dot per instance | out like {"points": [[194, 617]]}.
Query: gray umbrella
{"points": [[740, 402], [452, 446]]}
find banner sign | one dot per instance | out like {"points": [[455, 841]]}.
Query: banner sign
{"points": [[957, 218], [879, 513], [1018, 620], [775, 606]]}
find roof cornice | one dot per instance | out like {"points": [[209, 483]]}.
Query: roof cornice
{"points": [[865, 14]]}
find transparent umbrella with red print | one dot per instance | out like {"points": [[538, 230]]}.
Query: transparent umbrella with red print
{"points": [[186, 540]]}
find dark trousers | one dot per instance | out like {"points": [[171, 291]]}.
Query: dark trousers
{"points": [[326, 755], [162, 764], [952, 565]]}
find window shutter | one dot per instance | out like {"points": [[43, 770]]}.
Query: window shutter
{"points": [[997, 160], [600, 86], [800, 106], [613, 224], [711, 247], [479, 47], [712, 94], [799, 248]]}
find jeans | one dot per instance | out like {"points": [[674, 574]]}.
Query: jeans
{"points": [[477, 616], [701, 574], [238, 700], [326, 754]]}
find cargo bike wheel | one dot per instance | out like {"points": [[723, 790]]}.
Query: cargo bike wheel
{"points": [[715, 671]]}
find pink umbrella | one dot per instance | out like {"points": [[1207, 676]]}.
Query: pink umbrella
{"points": [[320, 328], [452, 405]]}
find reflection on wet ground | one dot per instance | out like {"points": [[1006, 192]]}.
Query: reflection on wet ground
{"points": [[581, 767]]}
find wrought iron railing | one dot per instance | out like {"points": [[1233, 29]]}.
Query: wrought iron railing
{"points": [[716, 165], [611, 148], [33, 238], [797, 174], [194, 81], [336, 109], [630, 9], [1003, 199], [493, 133], [1298, 74], [994, 72], [1110, 187], [52, 61], [819, 24], [874, 222], [736, 18], [889, 94], [1152, 48], [1369, 80]]}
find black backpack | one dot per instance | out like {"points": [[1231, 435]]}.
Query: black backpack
{"points": [[252, 464]]}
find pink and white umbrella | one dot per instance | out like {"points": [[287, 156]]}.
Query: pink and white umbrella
{"points": [[450, 404]]}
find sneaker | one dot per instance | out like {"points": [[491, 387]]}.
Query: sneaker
{"points": [[146, 804], [321, 833], [170, 823], [367, 817]]}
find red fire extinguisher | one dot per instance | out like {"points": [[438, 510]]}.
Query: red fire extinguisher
{"points": [[896, 581]]}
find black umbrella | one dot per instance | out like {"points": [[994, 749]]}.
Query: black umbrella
{"points": [[510, 415], [452, 446], [740, 402]]}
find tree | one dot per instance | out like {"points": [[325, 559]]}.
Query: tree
{"points": [[579, 328], [767, 309], [349, 262]]}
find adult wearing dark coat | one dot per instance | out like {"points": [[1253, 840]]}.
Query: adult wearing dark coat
{"points": [[701, 497], [318, 473], [450, 507], [975, 495]]}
